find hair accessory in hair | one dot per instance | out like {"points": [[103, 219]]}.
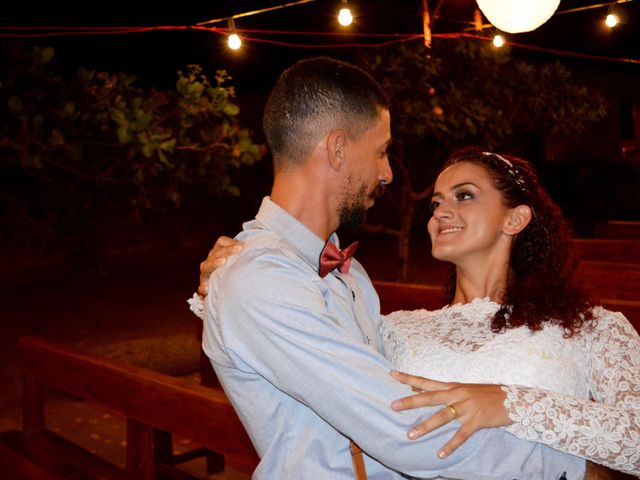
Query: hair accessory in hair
{"points": [[514, 172]]}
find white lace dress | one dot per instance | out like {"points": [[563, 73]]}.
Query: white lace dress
{"points": [[549, 379]]}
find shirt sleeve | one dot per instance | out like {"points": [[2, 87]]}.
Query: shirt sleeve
{"points": [[274, 321], [606, 430]]}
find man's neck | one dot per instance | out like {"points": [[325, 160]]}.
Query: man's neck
{"points": [[306, 202]]}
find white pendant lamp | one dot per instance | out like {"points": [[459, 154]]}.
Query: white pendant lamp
{"points": [[516, 16]]}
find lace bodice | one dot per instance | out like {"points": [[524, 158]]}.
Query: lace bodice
{"points": [[579, 394]]}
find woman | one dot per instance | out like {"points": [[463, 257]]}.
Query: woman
{"points": [[541, 360]]}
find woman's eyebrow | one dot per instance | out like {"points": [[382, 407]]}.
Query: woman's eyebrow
{"points": [[455, 187], [463, 184]]}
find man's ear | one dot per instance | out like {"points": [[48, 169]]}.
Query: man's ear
{"points": [[518, 218], [336, 141]]}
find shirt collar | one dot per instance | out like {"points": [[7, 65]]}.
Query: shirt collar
{"points": [[307, 243]]}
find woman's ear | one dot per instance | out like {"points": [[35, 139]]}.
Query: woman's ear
{"points": [[335, 143], [518, 218]]}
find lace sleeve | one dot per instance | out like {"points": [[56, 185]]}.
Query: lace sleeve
{"points": [[606, 430], [196, 305]]}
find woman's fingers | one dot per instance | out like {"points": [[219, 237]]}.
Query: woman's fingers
{"points": [[458, 439], [225, 241], [223, 249], [474, 406], [438, 419], [442, 417], [425, 399], [419, 383]]}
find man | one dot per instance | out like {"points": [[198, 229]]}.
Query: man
{"points": [[294, 343]]}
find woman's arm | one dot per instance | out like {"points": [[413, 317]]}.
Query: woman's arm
{"points": [[606, 431]]}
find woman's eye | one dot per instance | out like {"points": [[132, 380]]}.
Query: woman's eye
{"points": [[461, 196], [433, 205]]}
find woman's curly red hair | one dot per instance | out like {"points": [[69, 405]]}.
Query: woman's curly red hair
{"points": [[541, 284]]}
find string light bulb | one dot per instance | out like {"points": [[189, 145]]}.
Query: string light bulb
{"points": [[498, 41], [233, 41], [345, 18], [611, 20]]}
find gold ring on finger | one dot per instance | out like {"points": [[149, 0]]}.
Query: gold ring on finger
{"points": [[453, 411]]}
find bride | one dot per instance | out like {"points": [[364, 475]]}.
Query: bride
{"points": [[518, 327]]}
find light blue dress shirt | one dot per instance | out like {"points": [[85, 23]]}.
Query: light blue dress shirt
{"points": [[300, 358]]}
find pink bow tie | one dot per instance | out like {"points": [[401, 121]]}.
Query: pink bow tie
{"points": [[331, 258]]}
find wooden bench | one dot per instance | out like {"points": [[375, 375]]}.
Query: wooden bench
{"points": [[154, 404], [611, 280], [610, 267], [625, 251], [618, 229]]}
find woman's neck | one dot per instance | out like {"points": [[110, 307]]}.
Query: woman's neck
{"points": [[480, 282]]}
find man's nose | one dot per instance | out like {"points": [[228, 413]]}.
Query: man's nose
{"points": [[386, 174]]}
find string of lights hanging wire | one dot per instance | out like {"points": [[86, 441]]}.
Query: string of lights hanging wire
{"points": [[235, 35]]}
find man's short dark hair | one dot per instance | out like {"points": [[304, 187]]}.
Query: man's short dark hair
{"points": [[314, 97]]}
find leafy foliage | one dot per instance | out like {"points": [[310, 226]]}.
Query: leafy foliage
{"points": [[77, 151]]}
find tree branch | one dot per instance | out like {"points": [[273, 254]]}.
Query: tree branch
{"points": [[211, 146], [417, 196]]}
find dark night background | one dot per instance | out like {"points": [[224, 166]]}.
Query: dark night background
{"points": [[154, 57]]}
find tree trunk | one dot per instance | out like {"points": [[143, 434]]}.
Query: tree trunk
{"points": [[404, 234]]}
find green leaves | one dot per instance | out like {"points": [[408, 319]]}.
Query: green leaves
{"points": [[115, 118], [100, 143], [231, 109], [465, 92], [41, 56]]}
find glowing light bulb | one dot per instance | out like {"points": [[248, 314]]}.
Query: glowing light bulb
{"points": [[344, 17], [516, 16], [498, 41], [234, 41], [611, 20]]}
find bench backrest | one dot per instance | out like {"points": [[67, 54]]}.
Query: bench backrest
{"points": [[167, 403], [608, 250], [618, 229], [408, 296]]}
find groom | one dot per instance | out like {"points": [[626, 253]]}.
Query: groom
{"points": [[291, 323]]}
